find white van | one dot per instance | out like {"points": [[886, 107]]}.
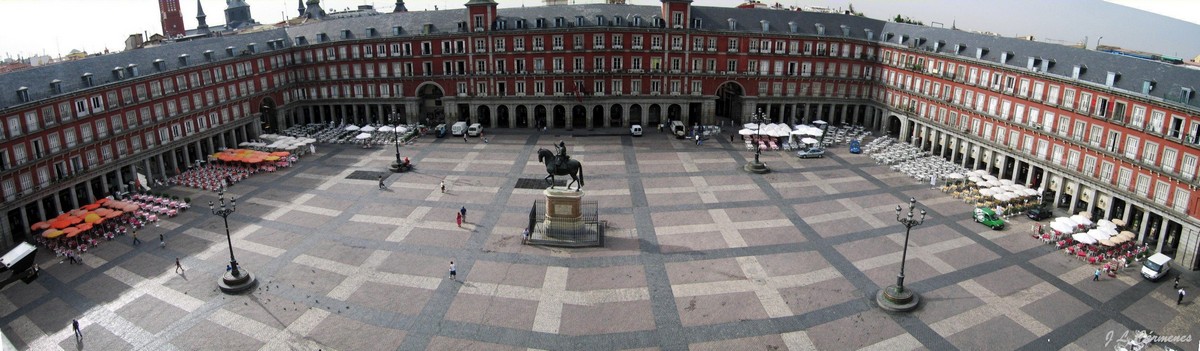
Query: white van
{"points": [[459, 128], [475, 130], [678, 129], [1156, 266], [636, 130]]}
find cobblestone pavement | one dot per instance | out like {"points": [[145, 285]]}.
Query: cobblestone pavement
{"points": [[700, 256]]}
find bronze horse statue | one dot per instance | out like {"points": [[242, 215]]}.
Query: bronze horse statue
{"points": [[572, 168]]}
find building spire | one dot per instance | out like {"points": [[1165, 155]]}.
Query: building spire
{"points": [[400, 6], [200, 17], [301, 9]]}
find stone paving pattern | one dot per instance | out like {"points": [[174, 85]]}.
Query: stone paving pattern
{"points": [[700, 256]]}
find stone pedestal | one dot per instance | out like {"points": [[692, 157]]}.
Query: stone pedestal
{"points": [[231, 284], [894, 299], [563, 211], [756, 167]]}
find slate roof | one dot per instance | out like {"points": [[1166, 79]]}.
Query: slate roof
{"points": [[1168, 79]]}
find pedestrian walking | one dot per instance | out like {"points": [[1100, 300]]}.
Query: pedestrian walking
{"points": [[731, 137], [381, 182], [463, 212], [443, 185], [162, 241], [458, 218], [1176, 282], [71, 257], [1177, 301], [525, 236], [454, 272], [1096, 277], [178, 267], [136, 241], [75, 326], [465, 137]]}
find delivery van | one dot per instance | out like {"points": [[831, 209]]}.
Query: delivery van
{"points": [[475, 130], [1156, 266], [459, 128], [636, 130], [988, 218], [678, 129]]}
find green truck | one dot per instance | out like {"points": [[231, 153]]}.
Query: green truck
{"points": [[988, 217]]}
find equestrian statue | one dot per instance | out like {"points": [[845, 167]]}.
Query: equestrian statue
{"points": [[561, 164]]}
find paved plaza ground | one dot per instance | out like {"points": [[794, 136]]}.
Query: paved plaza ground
{"points": [[699, 256]]}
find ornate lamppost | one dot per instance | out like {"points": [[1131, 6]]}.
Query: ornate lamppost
{"points": [[235, 280], [757, 166], [398, 165], [896, 298]]}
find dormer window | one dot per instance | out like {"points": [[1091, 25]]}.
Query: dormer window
{"points": [[118, 73], [980, 53], [599, 20], [55, 87], [1147, 86], [86, 80], [658, 22], [1078, 70], [23, 94], [397, 30], [346, 34], [540, 23], [501, 24], [793, 27], [618, 20], [766, 25], [938, 45], [637, 21], [322, 37], [301, 40], [559, 22], [426, 28], [820, 28], [521, 23], [229, 51], [208, 56], [697, 23], [132, 70], [901, 39], [462, 26], [579, 21], [250, 48], [371, 33], [160, 65], [870, 34], [1112, 78], [845, 30], [184, 58], [1005, 56]]}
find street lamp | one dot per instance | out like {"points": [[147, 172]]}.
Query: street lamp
{"points": [[896, 297], [757, 166], [236, 280]]}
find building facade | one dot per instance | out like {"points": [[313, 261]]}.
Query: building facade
{"points": [[171, 17], [1111, 135]]}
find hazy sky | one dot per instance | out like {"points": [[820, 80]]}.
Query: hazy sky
{"points": [[57, 26]]}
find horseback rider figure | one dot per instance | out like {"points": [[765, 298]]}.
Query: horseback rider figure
{"points": [[562, 158]]}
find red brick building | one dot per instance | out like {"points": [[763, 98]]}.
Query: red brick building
{"points": [[1113, 135], [172, 18]]}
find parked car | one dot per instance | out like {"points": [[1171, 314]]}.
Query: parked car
{"points": [[815, 152], [855, 147], [988, 218], [1039, 213], [636, 130]]}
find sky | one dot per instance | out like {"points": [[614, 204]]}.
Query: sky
{"points": [[96, 25]]}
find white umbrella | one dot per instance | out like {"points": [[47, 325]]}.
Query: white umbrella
{"points": [[1007, 182], [747, 132], [750, 126], [808, 141], [1062, 227], [990, 177], [351, 127], [1104, 223], [1081, 220], [363, 136], [952, 176], [387, 129], [819, 122], [1083, 238], [367, 129], [1099, 235], [979, 172]]}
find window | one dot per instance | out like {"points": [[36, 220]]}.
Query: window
{"points": [[1181, 200], [1187, 169], [1150, 153], [1156, 121], [1168, 160], [1089, 165], [1106, 172], [1052, 98], [1143, 184], [1176, 127]]}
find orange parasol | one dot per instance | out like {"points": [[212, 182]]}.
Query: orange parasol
{"points": [[51, 234], [112, 214], [132, 207], [61, 223], [71, 232], [117, 213], [40, 225], [76, 220], [84, 226], [252, 160], [280, 153], [271, 158], [90, 207], [77, 212], [102, 200], [91, 218]]}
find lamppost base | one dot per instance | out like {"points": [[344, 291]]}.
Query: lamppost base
{"points": [[756, 167], [892, 299], [230, 284], [398, 167]]}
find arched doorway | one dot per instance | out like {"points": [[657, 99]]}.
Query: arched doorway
{"points": [[430, 108], [579, 117], [598, 117], [674, 113], [635, 115], [893, 126], [523, 117], [729, 101], [655, 118], [693, 114], [615, 117], [484, 116], [539, 116], [560, 117], [502, 117], [266, 116]]}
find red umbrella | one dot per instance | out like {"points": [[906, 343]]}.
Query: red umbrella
{"points": [[84, 226], [61, 223], [102, 200], [90, 207], [71, 232], [40, 225]]}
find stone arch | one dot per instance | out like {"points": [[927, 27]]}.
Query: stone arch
{"points": [[729, 100], [540, 116], [523, 120], [674, 112], [578, 116], [267, 116], [483, 116], [655, 117], [430, 107], [502, 117], [615, 116], [893, 126], [598, 116], [560, 117], [635, 115]]}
